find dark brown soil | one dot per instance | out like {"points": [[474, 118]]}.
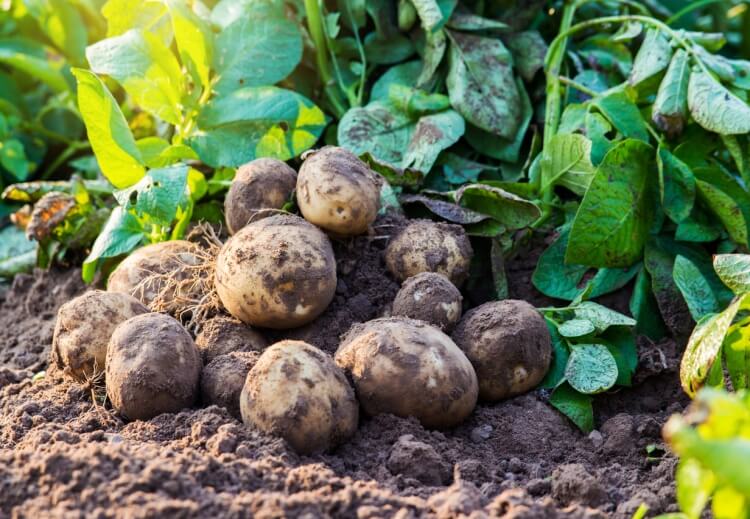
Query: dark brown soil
{"points": [[63, 456]]}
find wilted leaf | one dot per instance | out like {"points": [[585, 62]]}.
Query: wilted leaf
{"points": [[715, 108], [510, 210], [670, 108], [49, 212], [447, 210], [466, 21], [652, 58]]}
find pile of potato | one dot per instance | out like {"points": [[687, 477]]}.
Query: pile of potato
{"points": [[278, 271]]}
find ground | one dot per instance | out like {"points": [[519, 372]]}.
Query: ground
{"points": [[63, 456]]}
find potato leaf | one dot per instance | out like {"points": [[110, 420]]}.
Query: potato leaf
{"points": [[736, 349], [121, 234], [574, 328], [434, 51], [194, 41], [574, 405], [481, 84], [591, 368], [613, 220], [670, 108], [652, 58], [405, 74], [715, 108], [694, 287], [529, 50], [28, 57], [567, 162], [676, 185], [446, 210], [644, 309], [63, 25], [434, 13], [726, 209], [734, 271], [510, 210], [432, 134], [377, 129], [620, 109], [601, 316], [123, 15]]}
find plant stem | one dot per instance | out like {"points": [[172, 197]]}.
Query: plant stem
{"points": [[317, 33], [72, 148], [575, 84]]}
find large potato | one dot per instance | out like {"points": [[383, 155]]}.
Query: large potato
{"points": [[83, 328], [261, 184], [278, 272], [297, 392], [145, 273], [409, 368], [429, 297], [426, 246], [153, 367], [221, 335], [509, 345], [338, 192]]}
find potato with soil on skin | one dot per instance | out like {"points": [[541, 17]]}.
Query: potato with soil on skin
{"points": [[167, 260], [427, 246], [278, 272], [83, 328], [409, 368], [153, 367], [261, 184], [224, 377], [221, 335], [429, 297], [296, 391], [338, 192], [509, 344]]}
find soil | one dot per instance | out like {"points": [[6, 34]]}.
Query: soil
{"points": [[64, 454]]}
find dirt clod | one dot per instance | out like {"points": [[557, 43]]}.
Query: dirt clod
{"points": [[417, 460]]}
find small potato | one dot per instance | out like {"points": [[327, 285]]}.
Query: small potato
{"points": [[261, 184], [426, 246], [338, 192], [224, 377], [297, 392], [409, 368], [83, 328], [278, 272], [153, 367], [429, 297], [508, 344], [221, 335], [135, 275]]}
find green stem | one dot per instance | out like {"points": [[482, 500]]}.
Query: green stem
{"points": [[68, 152], [317, 33], [575, 84], [690, 8]]}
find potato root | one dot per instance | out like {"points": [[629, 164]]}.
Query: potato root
{"points": [[221, 335], [278, 272], [429, 297], [224, 377], [409, 368], [509, 345], [83, 328], [297, 392]]}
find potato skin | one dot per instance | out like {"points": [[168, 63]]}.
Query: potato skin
{"points": [[409, 368], [83, 328], [509, 345], [221, 335], [260, 184], [338, 192], [153, 367], [429, 297], [427, 246], [157, 258], [224, 377], [278, 272], [297, 392]]}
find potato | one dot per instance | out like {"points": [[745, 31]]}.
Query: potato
{"points": [[135, 275], [224, 377], [508, 344], [221, 335], [153, 367], [338, 192], [409, 368], [83, 328], [278, 272], [297, 392], [429, 297], [426, 246], [261, 184]]}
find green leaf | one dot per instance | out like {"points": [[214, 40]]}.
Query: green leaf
{"points": [[194, 41], [481, 84], [591, 368], [566, 161], [510, 210], [432, 134], [434, 13], [715, 108], [670, 108], [609, 55], [736, 349], [652, 58], [694, 487], [434, 51], [260, 47], [13, 159], [63, 25], [615, 215], [738, 149], [601, 316], [726, 209], [734, 271], [18, 54], [560, 355], [378, 129], [694, 287], [574, 328], [620, 109], [123, 15], [145, 67], [597, 129], [620, 342], [121, 234], [644, 309], [256, 122], [529, 50], [676, 184], [158, 195], [465, 21], [404, 74], [575, 406], [114, 146]]}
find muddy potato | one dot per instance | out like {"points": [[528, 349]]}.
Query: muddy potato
{"points": [[409, 368], [278, 272], [508, 344], [297, 392], [224, 377], [153, 367], [261, 184], [221, 335], [83, 328], [426, 246], [135, 275], [338, 192], [429, 297]]}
